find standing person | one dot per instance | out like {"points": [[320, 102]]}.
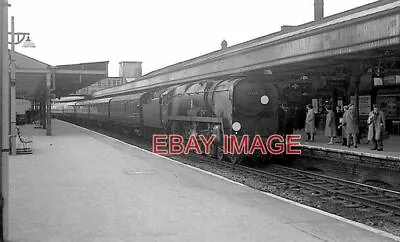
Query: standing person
{"points": [[371, 129], [351, 126], [343, 125], [338, 117], [330, 124], [310, 123], [376, 127]]}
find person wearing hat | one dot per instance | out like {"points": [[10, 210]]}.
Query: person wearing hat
{"points": [[349, 119], [343, 125], [338, 119], [376, 127], [330, 124], [310, 123]]}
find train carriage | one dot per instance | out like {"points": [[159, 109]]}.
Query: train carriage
{"points": [[99, 109], [63, 109], [82, 110], [126, 109], [153, 113]]}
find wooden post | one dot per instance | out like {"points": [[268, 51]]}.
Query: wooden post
{"points": [[13, 109], [357, 97], [357, 73], [43, 113], [48, 104], [4, 120]]}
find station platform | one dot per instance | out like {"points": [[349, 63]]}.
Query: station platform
{"points": [[79, 185], [390, 153]]}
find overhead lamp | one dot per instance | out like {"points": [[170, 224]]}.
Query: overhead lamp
{"points": [[28, 43]]}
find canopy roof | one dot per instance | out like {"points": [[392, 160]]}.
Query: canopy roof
{"points": [[31, 75]]}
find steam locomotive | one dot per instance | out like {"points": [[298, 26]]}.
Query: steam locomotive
{"points": [[231, 106]]}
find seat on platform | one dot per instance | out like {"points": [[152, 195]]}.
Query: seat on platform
{"points": [[24, 144]]}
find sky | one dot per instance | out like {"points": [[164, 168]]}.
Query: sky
{"points": [[158, 33]]}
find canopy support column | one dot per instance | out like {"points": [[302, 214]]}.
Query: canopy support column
{"points": [[4, 119], [48, 103], [13, 109]]}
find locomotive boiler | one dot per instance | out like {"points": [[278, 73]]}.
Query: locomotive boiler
{"points": [[238, 106]]}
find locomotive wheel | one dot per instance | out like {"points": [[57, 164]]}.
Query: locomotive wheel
{"points": [[236, 159], [220, 154]]}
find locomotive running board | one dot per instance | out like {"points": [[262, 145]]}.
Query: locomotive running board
{"points": [[196, 119]]}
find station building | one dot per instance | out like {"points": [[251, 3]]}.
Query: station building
{"points": [[128, 71]]}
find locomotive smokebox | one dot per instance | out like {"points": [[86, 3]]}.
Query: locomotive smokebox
{"points": [[318, 9], [130, 69]]}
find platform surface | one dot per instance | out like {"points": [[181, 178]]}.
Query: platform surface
{"points": [[391, 146], [81, 186]]}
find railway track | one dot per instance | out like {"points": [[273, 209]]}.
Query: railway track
{"points": [[358, 194], [376, 202]]}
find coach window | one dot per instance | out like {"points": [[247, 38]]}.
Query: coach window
{"points": [[134, 107], [130, 107]]}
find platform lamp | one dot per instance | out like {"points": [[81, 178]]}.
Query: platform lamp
{"points": [[16, 38], [4, 119]]}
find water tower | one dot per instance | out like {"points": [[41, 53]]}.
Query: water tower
{"points": [[130, 69]]}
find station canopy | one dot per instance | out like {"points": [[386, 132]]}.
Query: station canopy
{"points": [[31, 77]]}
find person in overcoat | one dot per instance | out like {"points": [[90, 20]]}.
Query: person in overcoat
{"points": [[349, 119], [338, 119], [310, 123], [330, 124], [376, 127], [343, 125]]}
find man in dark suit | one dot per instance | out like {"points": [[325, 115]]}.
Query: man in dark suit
{"points": [[376, 127]]}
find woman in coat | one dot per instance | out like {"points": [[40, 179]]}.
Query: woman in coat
{"points": [[343, 125], [349, 119], [310, 123], [376, 127], [338, 119], [330, 124], [370, 123]]}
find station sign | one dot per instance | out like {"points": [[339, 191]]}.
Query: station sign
{"points": [[391, 80]]}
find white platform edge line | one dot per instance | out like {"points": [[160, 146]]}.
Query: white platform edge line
{"points": [[339, 218], [351, 152]]}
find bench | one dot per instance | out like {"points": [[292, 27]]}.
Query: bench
{"points": [[25, 142]]}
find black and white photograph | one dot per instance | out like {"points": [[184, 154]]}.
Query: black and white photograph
{"points": [[177, 120]]}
